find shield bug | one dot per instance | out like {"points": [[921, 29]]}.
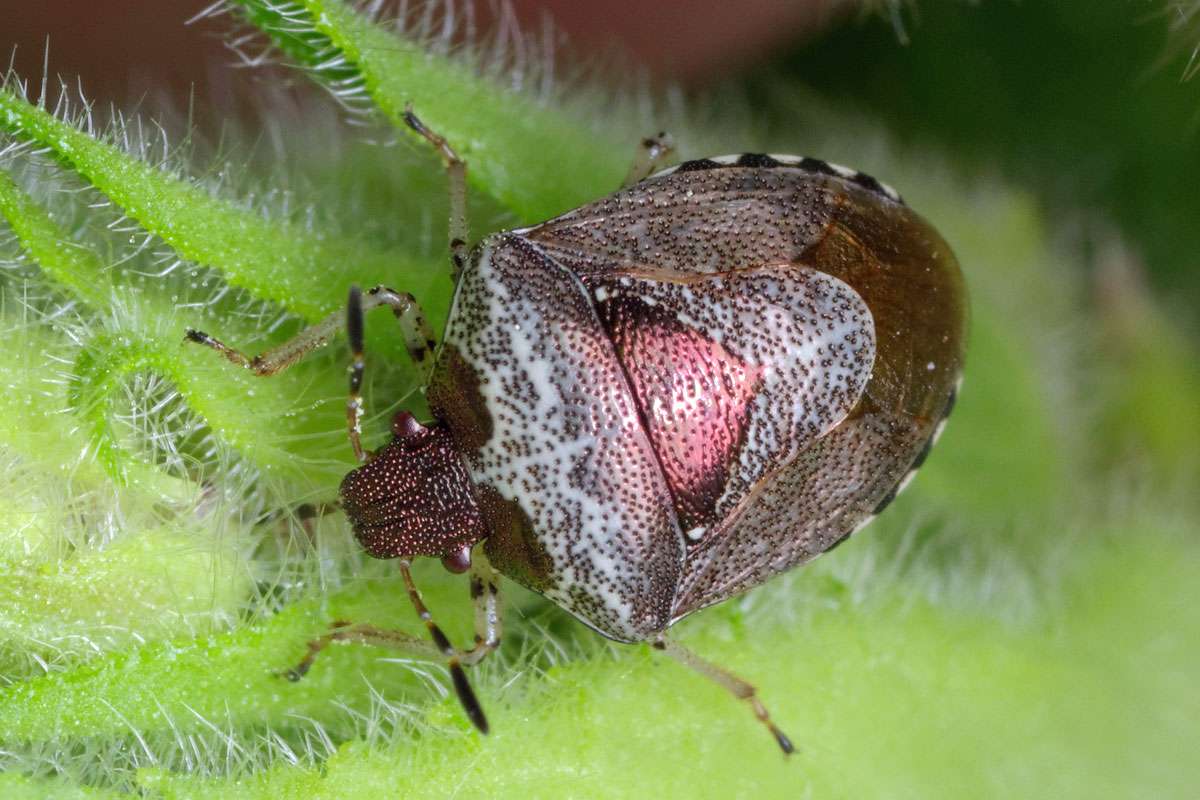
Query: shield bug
{"points": [[658, 400]]}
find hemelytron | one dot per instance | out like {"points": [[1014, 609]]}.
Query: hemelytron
{"points": [[657, 400]]}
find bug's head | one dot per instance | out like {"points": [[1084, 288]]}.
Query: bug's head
{"points": [[414, 498]]}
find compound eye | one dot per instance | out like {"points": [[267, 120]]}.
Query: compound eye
{"points": [[405, 426], [459, 561]]}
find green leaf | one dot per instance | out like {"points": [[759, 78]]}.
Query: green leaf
{"points": [[275, 261], [533, 157], [1000, 632], [75, 269], [150, 340]]}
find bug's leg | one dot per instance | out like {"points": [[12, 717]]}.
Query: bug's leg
{"points": [[738, 687], [454, 659], [343, 631], [355, 328], [485, 594], [417, 334], [418, 339], [456, 172], [652, 152], [277, 359]]}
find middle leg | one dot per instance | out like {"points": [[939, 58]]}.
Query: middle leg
{"points": [[456, 173]]}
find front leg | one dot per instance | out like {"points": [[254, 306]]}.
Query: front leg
{"points": [[485, 594], [344, 631], [419, 340], [414, 327]]}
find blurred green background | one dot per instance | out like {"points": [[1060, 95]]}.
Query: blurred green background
{"points": [[1084, 103], [1020, 623]]}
